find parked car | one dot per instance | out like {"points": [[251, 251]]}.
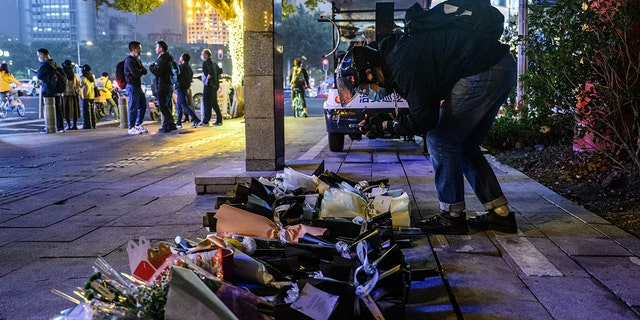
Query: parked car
{"points": [[341, 121], [197, 87], [29, 87], [196, 90]]}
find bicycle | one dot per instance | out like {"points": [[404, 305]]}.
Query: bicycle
{"points": [[296, 103], [8, 104]]}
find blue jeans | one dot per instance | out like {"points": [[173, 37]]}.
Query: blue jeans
{"points": [[183, 106], [466, 117], [137, 105]]}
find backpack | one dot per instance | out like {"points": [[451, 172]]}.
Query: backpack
{"points": [[121, 79], [299, 78], [58, 81], [175, 71]]}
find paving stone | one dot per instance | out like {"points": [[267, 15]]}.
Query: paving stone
{"points": [[473, 243], [160, 212], [389, 157], [486, 295], [17, 255], [428, 299], [20, 207], [355, 171], [577, 298], [61, 232], [100, 242], [621, 275], [564, 263], [46, 216], [34, 285], [574, 209], [620, 236], [358, 157]]}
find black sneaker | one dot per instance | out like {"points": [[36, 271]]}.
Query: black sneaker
{"points": [[444, 223], [493, 221]]}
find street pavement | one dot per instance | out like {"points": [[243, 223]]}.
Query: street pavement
{"points": [[66, 199]]}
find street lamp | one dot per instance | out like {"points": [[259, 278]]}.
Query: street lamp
{"points": [[89, 43]]}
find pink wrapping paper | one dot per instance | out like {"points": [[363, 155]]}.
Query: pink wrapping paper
{"points": [[232, 219]]}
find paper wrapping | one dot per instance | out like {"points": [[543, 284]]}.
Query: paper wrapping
{"points": [[189, 298], [236, 220]]}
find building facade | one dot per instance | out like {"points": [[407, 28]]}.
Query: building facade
{"points": [[57, 20], [204, 24]]}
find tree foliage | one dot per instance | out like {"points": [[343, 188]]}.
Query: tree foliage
{"points": [[289, 9], [139, 7], [584, 66], [304, 36]]}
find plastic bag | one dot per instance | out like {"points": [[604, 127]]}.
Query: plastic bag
{"points": [[292, 180], [343, 203]]}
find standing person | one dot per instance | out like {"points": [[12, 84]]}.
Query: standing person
{"points": [[455, 74], [88, 84], [211, 81], [46, 73], [72, 93], [133, 71], [161, 68], [104, 85], [299, 80], [182, 88], [6, 78]]}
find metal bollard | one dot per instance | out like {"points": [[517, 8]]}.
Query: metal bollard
{"points": [[50, 114], [40, 105], [124, 112]]}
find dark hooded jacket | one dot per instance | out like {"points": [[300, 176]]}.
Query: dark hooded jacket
{"points": [[45, 74], [162, 70], [134, 70], [453, 40], [185, 77]]}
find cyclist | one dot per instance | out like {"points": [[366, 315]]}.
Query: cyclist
{"points": [[5, 84], [299, 80]]}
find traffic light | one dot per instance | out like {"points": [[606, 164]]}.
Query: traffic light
{"points": [[220, 54], [325, 64]]}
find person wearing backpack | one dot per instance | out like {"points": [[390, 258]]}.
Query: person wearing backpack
{"points": [[163, 69], [455, 73], [299, 80], [47, 74]]}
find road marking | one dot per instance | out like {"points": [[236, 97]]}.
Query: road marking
{"points": [[8, 123], [531, 261], [315, 150]]}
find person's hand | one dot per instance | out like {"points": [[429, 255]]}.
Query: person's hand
{"points": [[373, 126]]}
